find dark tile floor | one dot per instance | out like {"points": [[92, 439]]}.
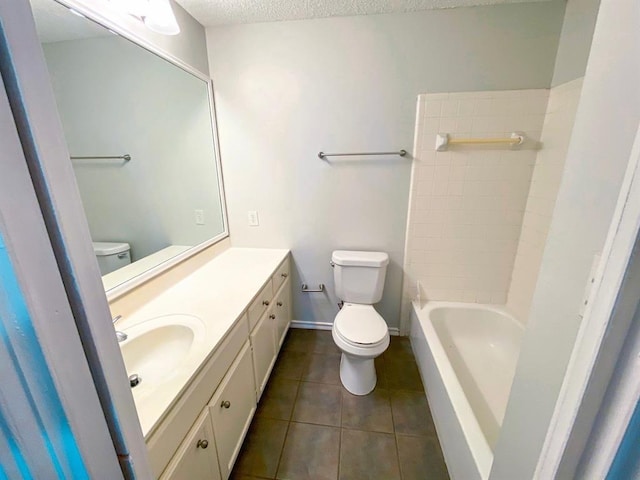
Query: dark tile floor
{"points": [[309, 427]]}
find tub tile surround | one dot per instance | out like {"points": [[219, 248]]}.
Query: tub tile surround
{"points": [[307, 429], [467, 204], [545, 182]]}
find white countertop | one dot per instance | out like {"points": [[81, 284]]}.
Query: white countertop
{"points": [[217, 293], [118, 277]]}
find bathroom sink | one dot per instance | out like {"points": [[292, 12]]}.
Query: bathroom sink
{"points": [[158, 348]]}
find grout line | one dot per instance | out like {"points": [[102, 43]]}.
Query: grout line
{"points": [[395, 438], [339, 452]]}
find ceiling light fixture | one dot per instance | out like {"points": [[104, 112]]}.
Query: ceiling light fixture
{"points": [[157, 15], [160, 18]]}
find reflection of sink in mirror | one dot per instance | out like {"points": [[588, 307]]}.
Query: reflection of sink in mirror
{"points": [[157, 348], [140, 133]]}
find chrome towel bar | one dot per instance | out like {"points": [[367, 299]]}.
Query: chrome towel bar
{"points": [[126, 157], [323, 155]]}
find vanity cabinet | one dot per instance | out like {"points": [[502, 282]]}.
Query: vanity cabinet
{"points": [[196, 457], [221, 400], [232, 408], [282, 313], [269, 333], [264, 351]]}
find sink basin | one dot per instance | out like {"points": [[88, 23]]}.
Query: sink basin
{"points": [[157, 348]]}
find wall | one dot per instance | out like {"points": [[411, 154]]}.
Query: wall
{"points": [[606, 123], [286, 90], [547, 175], [189, 46], [575, 40], [467, 204], [154, 111]]}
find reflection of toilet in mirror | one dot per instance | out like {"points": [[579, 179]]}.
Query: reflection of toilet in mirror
{"points": [[358, 330], [112, 255]]}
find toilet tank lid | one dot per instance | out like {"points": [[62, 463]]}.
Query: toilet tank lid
{"points": [[110, 248], [359, 259]]}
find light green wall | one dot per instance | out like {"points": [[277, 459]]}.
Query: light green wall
{"points": [[286, 90], [575, 40]]}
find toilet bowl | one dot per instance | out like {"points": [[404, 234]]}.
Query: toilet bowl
{"points": [[358, 330], [362, 335]]}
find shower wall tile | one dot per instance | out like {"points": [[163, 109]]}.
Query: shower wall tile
{"points": [[467, 204], [545, 182]]}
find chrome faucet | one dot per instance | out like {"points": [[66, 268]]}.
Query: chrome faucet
{"points": [[121, 336]]}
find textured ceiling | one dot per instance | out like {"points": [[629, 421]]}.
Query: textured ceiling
{"points": [[55, 23], [226, 12]]}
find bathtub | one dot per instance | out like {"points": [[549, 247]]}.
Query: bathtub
{"points": [[467, 355]]}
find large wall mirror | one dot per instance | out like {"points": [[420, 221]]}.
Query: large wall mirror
{"points": [[142, 142]]}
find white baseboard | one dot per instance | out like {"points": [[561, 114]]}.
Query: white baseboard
{"points": [[311, 325], [328, 326]]}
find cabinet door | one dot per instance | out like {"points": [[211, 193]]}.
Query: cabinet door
{"points": [[281, 275], [196, 457], [264, 350], [232, 408], [282, 311]]}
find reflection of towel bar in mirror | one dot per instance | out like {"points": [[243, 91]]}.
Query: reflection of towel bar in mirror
{"points": [[126, 157], [324, 155], [306, 289], [443, 141]]}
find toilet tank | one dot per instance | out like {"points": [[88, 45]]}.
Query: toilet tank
{"points": [[359, 276], [112, 255]]}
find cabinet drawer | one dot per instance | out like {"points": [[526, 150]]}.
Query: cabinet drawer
{"points": [[282, 310], [259, 305], [232, 408], [196, 458], [281, 275], [264, 351]]}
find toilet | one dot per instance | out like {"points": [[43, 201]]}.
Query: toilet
{"points": [[111, 255], [358, 330]]}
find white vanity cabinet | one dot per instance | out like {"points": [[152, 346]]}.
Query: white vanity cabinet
{"points": [[196, 457], [221, 399], [269, 332], [232, 408], [282, 313], [264, 351]]}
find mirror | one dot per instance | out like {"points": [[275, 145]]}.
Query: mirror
{"points": [[140, 133]]}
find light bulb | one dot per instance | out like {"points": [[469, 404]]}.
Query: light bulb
{"points": [[160, 18]]}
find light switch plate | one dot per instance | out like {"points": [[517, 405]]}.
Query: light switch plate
{"points": [[253, 218], [199, 217]]}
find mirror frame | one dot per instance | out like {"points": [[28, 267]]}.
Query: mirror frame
{"points": [[108, 20]]}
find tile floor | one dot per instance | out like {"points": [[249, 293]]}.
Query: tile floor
{"points": [[309, 427]]}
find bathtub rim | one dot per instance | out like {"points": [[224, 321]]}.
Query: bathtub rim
{"points": [[481, 452]]}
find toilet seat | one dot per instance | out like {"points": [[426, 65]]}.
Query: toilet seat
{"points": [[361, 326]]}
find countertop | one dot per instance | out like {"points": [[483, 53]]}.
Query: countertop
{"points": [[217, 293]]}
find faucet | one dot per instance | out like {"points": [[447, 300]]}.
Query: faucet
{"points": [[121, 336]]}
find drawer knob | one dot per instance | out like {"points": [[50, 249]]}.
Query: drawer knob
{"points": [[272, 316], [225, 404], [202, 444], [284, 275], [265, 302], [279, 304]]}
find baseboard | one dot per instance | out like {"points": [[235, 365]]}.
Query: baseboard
{"points": [[311, 325], [328, 326]]}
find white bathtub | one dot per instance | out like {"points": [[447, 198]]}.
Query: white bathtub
{"points": [[467, 356]]}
